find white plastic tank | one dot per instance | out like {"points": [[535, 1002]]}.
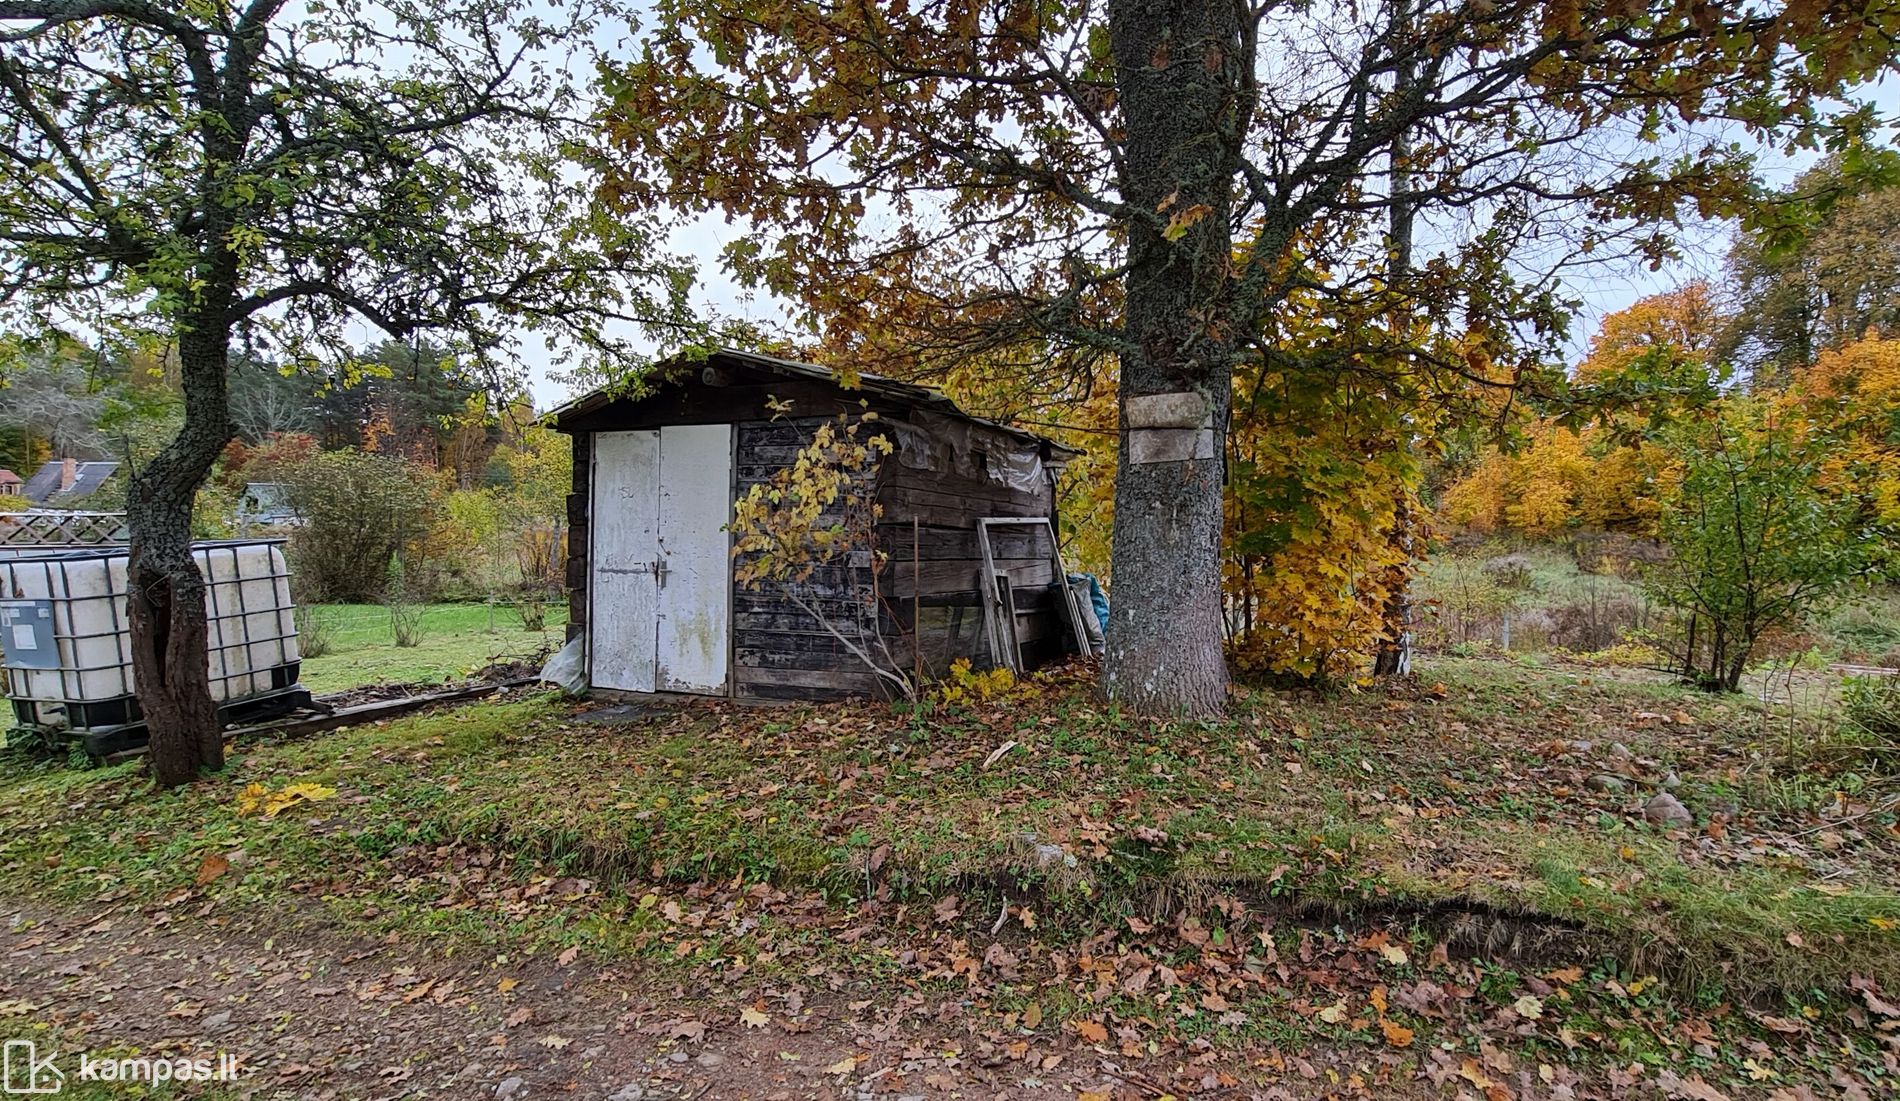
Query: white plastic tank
{"points": [[68, 649]]}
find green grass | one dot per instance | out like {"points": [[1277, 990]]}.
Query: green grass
{"points": [[1867, 627], [1359, 804], [719, 838], [1550, 598], [457, 639]]}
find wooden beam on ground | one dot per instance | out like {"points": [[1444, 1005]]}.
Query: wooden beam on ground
{"points": [[361, 713], [379, 709]]}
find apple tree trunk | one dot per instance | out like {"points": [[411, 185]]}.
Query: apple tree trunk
{"points": [[167, 590]]}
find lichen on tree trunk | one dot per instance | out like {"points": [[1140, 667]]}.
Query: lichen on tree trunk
{"points": [[1179, 71], [166, 605], [1165, 652]]}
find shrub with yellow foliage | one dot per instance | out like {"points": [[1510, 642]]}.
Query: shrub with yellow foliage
{"points": [[1854, 394], [1561, 481], [1563, 478]]}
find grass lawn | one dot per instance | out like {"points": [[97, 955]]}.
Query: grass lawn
{"points": [[1464, 860], [457, 640]]}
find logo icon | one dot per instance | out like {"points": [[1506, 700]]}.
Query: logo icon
{"points": [[23, 1071]]}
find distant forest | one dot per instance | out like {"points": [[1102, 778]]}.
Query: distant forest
{"points": [[65, 399]]}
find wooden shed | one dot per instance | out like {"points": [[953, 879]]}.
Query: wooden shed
{"points": [[649, 570]]}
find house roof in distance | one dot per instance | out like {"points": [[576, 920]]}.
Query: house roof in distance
{"points": [[905, 393], [8, 477], [43, 486]]}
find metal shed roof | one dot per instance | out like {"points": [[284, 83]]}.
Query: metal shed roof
{"points": [[909, 393]]}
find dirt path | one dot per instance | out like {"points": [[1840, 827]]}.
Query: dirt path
{"points": [[316, 1016]]}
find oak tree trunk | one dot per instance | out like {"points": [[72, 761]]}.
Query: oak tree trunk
{"points": [[1178, 70], [167, 590]]}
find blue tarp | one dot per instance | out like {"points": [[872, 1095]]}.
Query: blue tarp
{"points": [[1097, 598]]}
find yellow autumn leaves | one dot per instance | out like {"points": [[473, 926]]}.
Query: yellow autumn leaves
{"points": [[1319, 527], [811, 512], [1562, 479], [1559, 481], [256, 798], [967, 686], [1855, 394], [1395, 1034]]}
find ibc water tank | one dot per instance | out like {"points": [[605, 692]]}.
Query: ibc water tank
{"points": [[68, 650]]}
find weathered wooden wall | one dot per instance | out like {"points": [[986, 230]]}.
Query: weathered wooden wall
{"points": [[579, 534], [944, 572], [780, 651]]}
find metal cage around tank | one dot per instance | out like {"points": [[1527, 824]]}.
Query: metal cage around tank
{"points": [[67, 643]]}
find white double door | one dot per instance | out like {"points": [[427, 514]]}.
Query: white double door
{"points": [[659, 614]]}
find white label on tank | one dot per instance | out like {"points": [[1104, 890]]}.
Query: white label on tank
{"points": [[23, 638]]}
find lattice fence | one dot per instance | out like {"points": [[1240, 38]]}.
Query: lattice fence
{"points": [[61, 528]]}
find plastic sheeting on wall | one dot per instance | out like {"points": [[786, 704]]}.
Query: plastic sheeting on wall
{"points": [[949, 445]]}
